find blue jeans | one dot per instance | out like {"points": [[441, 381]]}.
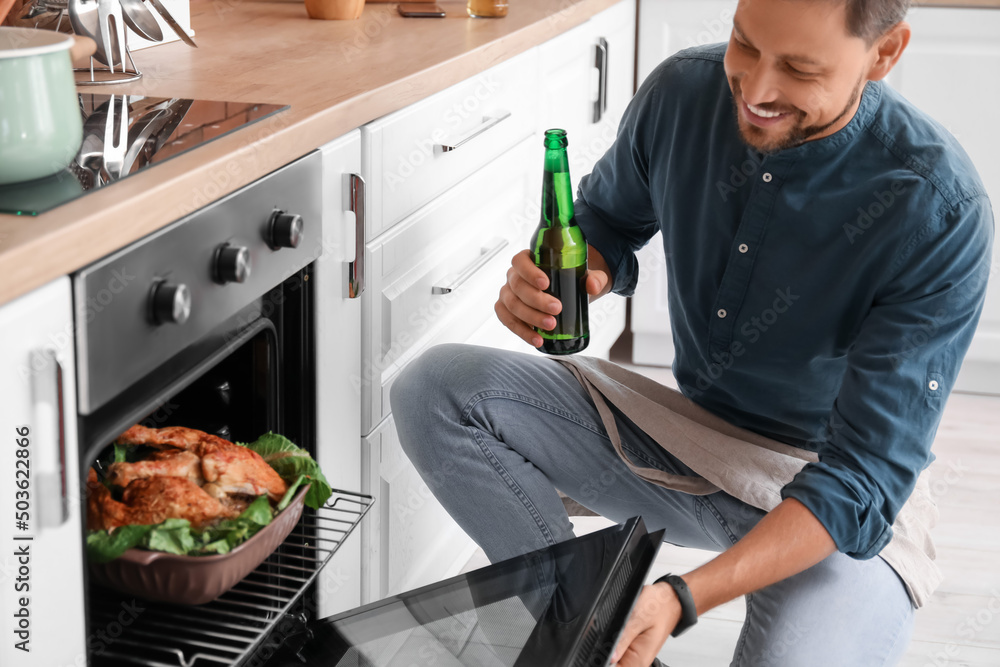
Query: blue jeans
{"points": [[495, 433]]}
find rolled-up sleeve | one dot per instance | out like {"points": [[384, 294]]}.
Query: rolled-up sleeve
{"points": [[613, 205], [901, 369]]}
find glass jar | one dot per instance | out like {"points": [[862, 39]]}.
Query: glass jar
{"points": [[487, 9]]}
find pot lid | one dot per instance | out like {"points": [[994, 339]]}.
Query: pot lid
{"points": [[23, 42]]}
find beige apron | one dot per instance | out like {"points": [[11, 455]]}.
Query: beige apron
{"points": [[719, 452]]}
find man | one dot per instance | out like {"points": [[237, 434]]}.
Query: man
{"points": [[828, 248]]}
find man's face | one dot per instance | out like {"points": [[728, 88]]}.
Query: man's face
{"points": [[795, 72]]}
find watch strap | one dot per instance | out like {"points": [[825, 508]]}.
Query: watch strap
{"points": [[689, 614]]}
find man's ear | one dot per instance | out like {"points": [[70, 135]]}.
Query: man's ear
{"points": [[888, 49]]}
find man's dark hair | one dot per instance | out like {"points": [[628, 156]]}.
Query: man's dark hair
{"points": [[870, 19]]}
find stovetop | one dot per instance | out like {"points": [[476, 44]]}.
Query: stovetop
{"points": [[158, 129]]}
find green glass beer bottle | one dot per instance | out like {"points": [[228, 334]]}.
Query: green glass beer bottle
{"points": [[560, 250]]}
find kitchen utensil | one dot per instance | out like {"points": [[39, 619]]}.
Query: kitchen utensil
{"points": [[172, 22], [155, 575], [114, 150], [138, 17], [111, 27], [40, 123], [143, 129], [83, 16]]}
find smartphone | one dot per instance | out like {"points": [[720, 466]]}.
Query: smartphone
{"points": [[421, 10]]}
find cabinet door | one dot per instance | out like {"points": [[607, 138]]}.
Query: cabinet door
{"points": [[409, 540], [568, 92], [668, 27], [664, 29], [611, 52], [41, 564], [941, 72], [588, 81], [338, 364]]}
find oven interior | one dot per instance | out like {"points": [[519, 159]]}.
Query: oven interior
{"points": [[251, 375]]}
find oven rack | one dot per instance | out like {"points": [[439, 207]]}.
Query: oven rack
{"points": [[228, 630]]}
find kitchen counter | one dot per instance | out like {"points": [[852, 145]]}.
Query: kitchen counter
{"points": [[959, 3], [336, 75]]}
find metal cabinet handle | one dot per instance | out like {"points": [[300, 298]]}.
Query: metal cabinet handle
{"points": [[601, 63], [51, 496], [488, 122], [356, 269], [485, 255]]}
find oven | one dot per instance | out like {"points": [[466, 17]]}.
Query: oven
{"points": [[209, 324]]}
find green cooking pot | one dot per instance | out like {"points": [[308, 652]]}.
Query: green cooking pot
{"points": [[40, 123]]}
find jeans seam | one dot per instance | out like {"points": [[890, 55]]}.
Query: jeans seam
{"points": [[722, 522], [514, 487], [741, 643], [699, 508], [500, 393]]}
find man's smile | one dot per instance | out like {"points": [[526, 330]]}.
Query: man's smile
{"points": [[760, 117]]}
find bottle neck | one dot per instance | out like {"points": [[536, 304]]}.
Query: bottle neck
{"points": [[557, 191]]}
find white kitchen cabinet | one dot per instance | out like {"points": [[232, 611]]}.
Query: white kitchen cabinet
{"points": [[433, 278], [666, 27], [38, 398], [587, 81], [409, 539], [942, 73], [443, 227], [417, 153], [338, 368]]}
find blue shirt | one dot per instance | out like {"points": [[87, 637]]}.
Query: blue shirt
{"points": [[823, 295]]}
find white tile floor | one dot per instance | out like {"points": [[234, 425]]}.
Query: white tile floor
{"points": [[960, 626]]}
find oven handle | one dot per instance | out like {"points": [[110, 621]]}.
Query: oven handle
{"points": [[50, 497], [356, 269]]}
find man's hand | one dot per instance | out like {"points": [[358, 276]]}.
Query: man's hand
{"points": [[523, 304], [654, 617]]}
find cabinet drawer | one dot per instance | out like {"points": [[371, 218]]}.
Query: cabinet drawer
{"points": [[462, 241], [406, 158]]}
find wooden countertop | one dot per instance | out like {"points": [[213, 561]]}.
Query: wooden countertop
{"points": [[972, 4], [336, 75]]}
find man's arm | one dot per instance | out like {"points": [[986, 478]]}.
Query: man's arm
{"points": [[785, 542]]}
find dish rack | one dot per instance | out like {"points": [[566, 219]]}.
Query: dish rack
{"points": [[232, 628]]}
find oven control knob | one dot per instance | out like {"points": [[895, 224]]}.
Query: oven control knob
{"points": [[171, 303], [232, 264], [284, 230]]}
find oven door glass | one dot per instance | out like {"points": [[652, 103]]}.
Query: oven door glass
{"points": [[563, 605]]}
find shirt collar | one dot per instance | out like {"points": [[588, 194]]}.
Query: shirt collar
{"points": [[870, 98]]}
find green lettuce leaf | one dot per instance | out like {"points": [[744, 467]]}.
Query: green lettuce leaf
{"points": [[103, 546], [290, 462], [176, 536], [172, 536]]}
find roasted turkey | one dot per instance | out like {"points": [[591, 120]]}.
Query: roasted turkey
{"points": [[194, 475], [150, 501], [225, 468]]}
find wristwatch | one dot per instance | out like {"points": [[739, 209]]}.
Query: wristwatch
{"points": [[689, 615]]}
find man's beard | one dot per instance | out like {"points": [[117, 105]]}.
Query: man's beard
{"points": [[798, 134]]}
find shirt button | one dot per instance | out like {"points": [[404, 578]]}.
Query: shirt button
{"points": [[744, 247], [722, 312], [933, 385], [767, 177]]}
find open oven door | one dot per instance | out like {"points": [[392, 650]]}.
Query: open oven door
{"points": [[564, 605]]}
